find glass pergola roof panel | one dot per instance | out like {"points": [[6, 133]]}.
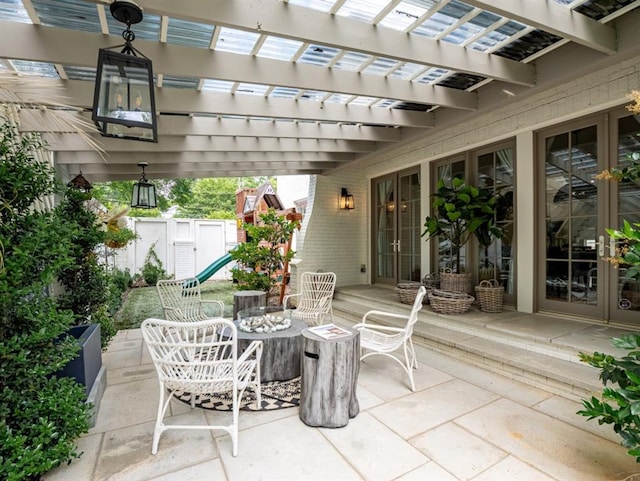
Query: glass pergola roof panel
{"points": [[80, 73], [252, 89], [13, 11], [384, 103], [313, 95], [191, 34], [77, 15], [284, 93], [432, 75], [497, 36], [362, 100], [35, 68], [337, 98], [214, 85], [407, 71], [598, 9], [318, 55], [352, 61], [406, 13], [322, 5], [527, 45], [460, 81], [380, 66], [279, 48], [236, 41], [363, 10]]}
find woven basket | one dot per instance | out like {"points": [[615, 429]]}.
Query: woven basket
{"points": [[447, 302], [407, 291], [452, 282], [490, 294]]}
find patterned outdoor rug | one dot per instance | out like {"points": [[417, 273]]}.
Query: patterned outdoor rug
{"points": [[275, 395]]}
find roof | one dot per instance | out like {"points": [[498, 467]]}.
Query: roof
{"points": [[257, 87]]}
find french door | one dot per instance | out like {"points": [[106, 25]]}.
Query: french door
{"points": [[575, 209], [397, 224]]}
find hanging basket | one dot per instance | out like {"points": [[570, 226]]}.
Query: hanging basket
{"points": [[490, 294], [407, 291], [450, 281], [448, 302]]}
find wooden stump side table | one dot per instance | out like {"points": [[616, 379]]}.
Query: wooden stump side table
{"points": [[328, 379]]}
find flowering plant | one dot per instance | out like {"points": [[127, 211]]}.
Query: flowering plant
{"points": [[114, 223]]}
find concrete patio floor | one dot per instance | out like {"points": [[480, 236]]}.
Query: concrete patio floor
{"points": [[462, 423]]}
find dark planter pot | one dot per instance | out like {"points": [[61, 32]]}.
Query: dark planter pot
{"points": [[87, 364]]}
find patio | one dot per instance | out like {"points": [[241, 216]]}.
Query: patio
{"points": [[462, 423]]}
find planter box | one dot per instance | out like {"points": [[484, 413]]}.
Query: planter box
{"points": [[86, 366]]}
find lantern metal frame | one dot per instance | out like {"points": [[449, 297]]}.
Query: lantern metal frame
{"points": [[346, 200], [143, 194], [124, 83]]}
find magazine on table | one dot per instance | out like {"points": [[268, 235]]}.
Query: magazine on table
{"points": [[330, 331]]}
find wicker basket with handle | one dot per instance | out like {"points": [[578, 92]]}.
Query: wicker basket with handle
{"points": [[407, 291], [490, 294], [447, 302]]}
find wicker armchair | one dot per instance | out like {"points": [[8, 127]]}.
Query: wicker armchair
{"points": [[385, 340], [188, 359], [182, 301], [314, 301]]}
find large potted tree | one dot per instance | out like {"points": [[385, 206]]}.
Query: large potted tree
{"points": [[460, 211], [261, 259]]}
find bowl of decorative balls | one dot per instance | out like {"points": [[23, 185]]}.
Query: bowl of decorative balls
{"points": [[262, 319]]}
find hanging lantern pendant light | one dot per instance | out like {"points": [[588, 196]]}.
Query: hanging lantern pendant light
{"points": [[143, 195]]}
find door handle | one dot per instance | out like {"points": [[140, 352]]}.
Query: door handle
{"points": [[612, 247], [601, 246]]}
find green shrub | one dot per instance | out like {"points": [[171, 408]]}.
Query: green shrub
{"points": [[40, 414], [152, 269], [618, 405]]}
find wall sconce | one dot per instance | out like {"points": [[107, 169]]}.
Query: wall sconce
{"points": [[346, 200], [124, 104], [144, 192]]}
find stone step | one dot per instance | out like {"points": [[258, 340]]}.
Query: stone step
{"points": [[529, 358]]}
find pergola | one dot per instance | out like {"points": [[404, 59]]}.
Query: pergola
{"points": [[277, 87]]}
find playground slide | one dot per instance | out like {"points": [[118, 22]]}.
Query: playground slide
{"points": [[214, 267]]}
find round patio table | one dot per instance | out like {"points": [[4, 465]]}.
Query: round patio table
{"points": [[281, 350]]}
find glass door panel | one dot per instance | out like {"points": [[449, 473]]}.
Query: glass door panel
{"points": [[625, 291], [397, 227], [384, 230], [571, 206]]}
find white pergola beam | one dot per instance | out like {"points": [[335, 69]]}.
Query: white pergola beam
{"points": [[36, 121], [44, 44], [169, 158], [182, 101], [557, 19], [75, 143]]}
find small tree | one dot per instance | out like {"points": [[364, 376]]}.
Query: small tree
{"points": [[264, 254], [461, 211]]}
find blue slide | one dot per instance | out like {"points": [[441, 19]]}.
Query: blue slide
{"points": [[214, 267]]}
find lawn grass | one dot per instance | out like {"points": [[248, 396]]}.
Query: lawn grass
{"points": [[143, 302]]}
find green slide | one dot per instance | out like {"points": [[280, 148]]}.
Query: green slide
{"points": [[214, 267]]}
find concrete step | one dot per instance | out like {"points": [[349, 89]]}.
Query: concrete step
{"points": [[544, 361]]}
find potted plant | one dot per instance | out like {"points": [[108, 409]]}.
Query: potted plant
{"points": [[261, 259], [460, 211]]}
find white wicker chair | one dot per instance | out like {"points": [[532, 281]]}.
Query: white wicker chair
{"points": [[182, 301], [188, 359], [385, 340], [314, 301]]}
